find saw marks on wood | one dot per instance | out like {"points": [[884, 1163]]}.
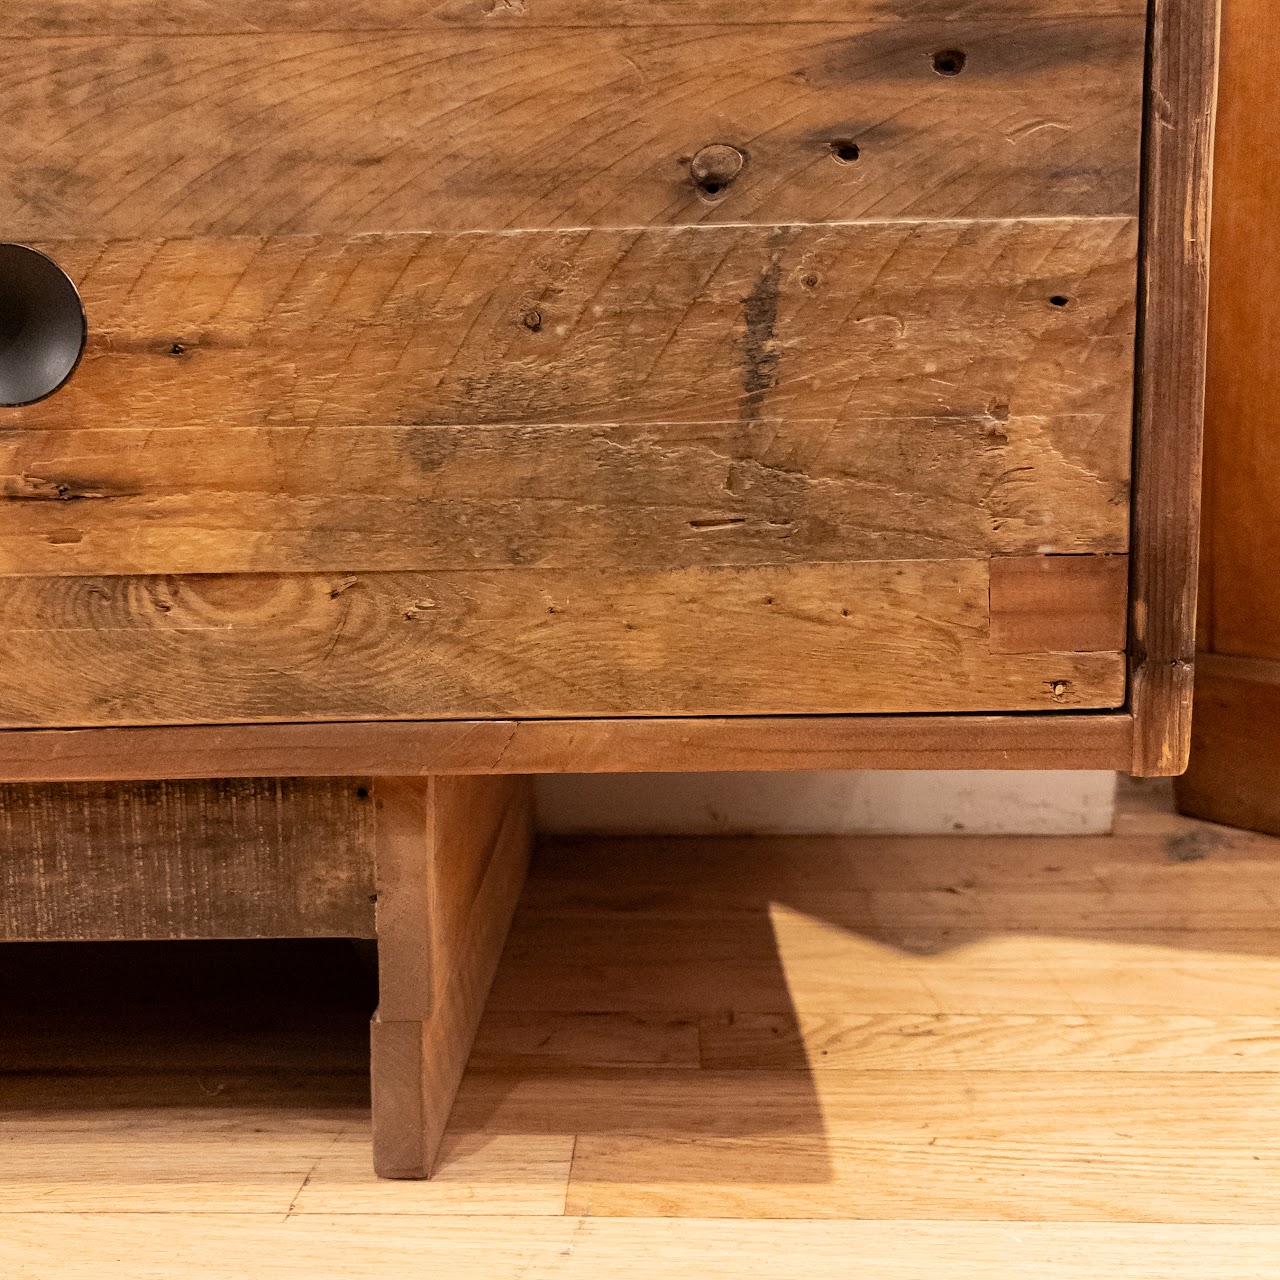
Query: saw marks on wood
{"points": [[894, 320], [1100, 1103], [281, 499], [765, 332], [592, 122]]}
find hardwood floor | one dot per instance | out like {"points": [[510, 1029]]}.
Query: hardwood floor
{"points": [[894, 1057]]}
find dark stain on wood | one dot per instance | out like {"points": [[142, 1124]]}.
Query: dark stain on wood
{"points": [[760, 353]]}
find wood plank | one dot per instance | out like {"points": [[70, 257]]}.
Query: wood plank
{"points": [[889, 887], [139, 17], [922, 1174], [464, 128], [450, 860], [125, 500], [1214, 1112], [787, 960], [244, 1161], [522, 642], [1173, 303], [742, 743], [949, 319], [343, 1247], [1045, 603], [255, 858], [972, 1042]]}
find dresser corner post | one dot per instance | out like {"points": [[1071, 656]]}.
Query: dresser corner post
{"points": [[1173, 328], [451, 853]]}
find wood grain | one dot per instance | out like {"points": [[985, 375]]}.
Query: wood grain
{"points": [[1235, 744], [255, 858], [1173, 303], [741, 743], [594, 124], [1235, 747], [925, 1174], [123, 500], [450, 860], [1242, 472], [698, 324], [320, 1247], [251, 17], [1072, 1042], [1045, 603], [906, 636]]}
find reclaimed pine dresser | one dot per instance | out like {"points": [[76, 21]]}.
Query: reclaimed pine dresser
{"points": [[478, 388]]}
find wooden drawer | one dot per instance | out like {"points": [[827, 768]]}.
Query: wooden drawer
{"points": [[513, 360]]}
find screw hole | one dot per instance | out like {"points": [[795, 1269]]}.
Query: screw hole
{"points": [[715, 169], [532, 320], [845, 152], [810, 282], [949, 62], [1058, 300]]}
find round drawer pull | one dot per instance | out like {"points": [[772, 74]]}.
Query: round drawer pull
{"points": [[42, 326]]}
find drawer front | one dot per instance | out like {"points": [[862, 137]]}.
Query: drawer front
{"points": [[514, 361]]}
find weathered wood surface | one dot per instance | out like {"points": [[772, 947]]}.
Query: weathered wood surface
{"points": [[396, 326], [812, 639], [253, 858], [1173, 303], [251, 17], [294, 499], [901, 319], [451, 856], [1061, 604], [873, 392], [595, 124], [781, 743]]}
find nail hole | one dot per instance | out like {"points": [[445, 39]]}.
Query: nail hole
{"points": [[949, 62], [845, 152], [1059, 301], [362, 793], [810, 282], [177, 349]]}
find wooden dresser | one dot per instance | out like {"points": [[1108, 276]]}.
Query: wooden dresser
{"points": [[480, 388]]}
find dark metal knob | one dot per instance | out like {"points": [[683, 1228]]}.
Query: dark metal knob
{"points": [[42, 326]]}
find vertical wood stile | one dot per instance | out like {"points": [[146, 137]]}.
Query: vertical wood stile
{"points": [[1172, 307]]}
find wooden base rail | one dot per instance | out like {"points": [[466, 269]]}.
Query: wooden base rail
{"points": [[1054, 740]]}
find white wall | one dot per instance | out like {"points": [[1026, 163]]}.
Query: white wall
{"points": [[1005, 803]]}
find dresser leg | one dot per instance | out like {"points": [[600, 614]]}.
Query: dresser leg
{"points": [[451, 856]]}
